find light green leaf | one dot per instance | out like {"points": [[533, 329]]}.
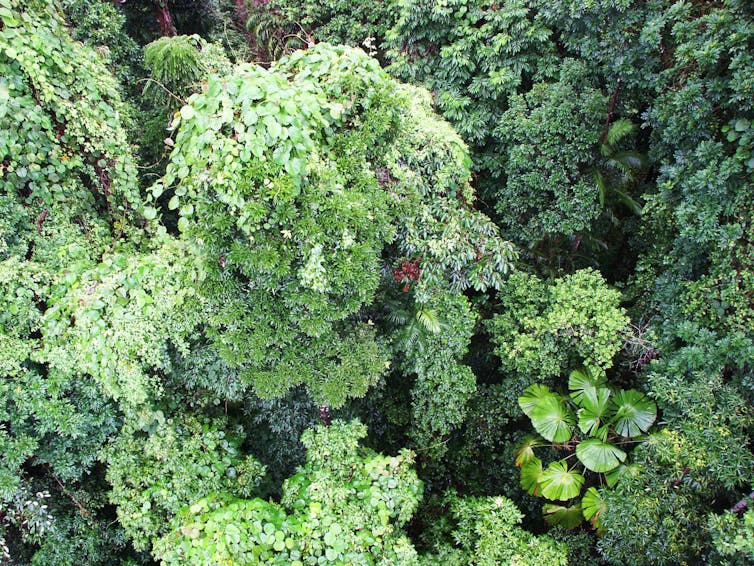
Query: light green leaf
{"points": [[582, 379], [187, 112], [595, 408], [618, 130], [531, 474], [524, 451], [593, 507], [553, 419], [599, 456], [559, 483], [634, 413], [532, 396]]}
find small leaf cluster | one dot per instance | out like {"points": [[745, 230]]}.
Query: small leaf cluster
{"points": [[344, 506], [157, 466], [550, 134], [544, 328], [733, 536], [485, 532]]}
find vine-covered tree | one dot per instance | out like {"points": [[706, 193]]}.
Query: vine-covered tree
{"points": [[233, 275]]}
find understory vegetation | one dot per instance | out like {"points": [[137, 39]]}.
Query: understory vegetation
{"points": [[410, 282]]}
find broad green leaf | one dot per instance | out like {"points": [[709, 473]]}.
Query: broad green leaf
{"points": [[524, 451], [630, 470], [595, 409], [429, 320], [531, 474], [599, 456], [187, 112], [553, 419], [593, 507], [566, 517], [634, 413], [582, 379], [559, 483], [532, 396]]}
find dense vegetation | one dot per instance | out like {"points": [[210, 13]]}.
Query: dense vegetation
{"points": [[407, 282]]}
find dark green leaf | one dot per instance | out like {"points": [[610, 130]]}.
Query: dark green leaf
{"points": [[566, 517]]}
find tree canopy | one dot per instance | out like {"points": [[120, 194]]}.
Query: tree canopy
{"points": [[413, 282]]}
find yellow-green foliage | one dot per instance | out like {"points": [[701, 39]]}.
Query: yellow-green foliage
{"points": [[289, 183], [160, 467], [544, 329], [345, 506]]}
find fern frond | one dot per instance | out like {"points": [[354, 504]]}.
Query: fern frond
{"points": [[619, 130], [429, 320]]}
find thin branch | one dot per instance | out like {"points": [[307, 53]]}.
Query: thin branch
{"points": [[84, 511]]}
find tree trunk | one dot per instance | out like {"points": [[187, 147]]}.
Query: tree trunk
{"points": [[324, 415], [164, 19]]}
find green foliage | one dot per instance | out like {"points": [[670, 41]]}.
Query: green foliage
{"points": [[115, 318], [700, 456], [176, 68], [62, 138], [359, 24], [618, 170], [102, 25], [177, 65], [308, 164], [163, 465], [320, 231], [474, 56], [485, 532], [608, 419], [67, 193], [443, 384], [543, 328], [733, 536], [550, 134], [67, 525], [346, 505]]}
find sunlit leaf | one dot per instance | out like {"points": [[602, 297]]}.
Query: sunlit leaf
{"points": [[599, 456], [532, 396], [559, 483], [593, 507], [524, 451], [583, 379], [553, 419], [531, 474], [595, 407], [634, 413]]}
